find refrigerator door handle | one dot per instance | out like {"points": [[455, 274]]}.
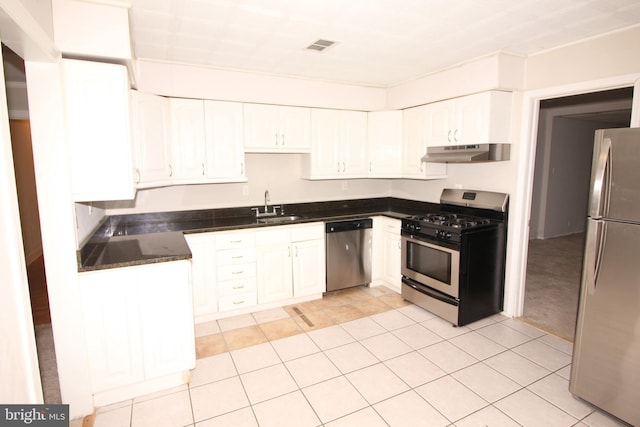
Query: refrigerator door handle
{"points": [[601, 178], [594, 252]]}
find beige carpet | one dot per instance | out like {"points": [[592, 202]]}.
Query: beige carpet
{"points": [[553, 283], [48, 366]]}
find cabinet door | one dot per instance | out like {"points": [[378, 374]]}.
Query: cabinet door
{"points": [[224, 140], [325, 133], [166, 318], [384, 137], [353, 143], [152, 139], [112, 328], [294, 128], [203, 273], [309, 275], [472, 119], [98, 130], [441, 124], [274, 274], [391, 257], [260, 127], [413, 142], [187, 139]]}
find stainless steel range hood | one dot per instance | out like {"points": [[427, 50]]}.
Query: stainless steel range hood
{"points": [[476, 153]]}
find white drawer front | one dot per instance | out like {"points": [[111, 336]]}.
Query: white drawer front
{"points": [[313, 231], [233, 302], [236, 287], [236, 271], [235, 240], [236, 256]]}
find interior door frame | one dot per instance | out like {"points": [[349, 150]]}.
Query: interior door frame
{"points": [[514, 298]]}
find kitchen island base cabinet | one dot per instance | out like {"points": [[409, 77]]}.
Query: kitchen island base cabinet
{"points": [[138, 328]]}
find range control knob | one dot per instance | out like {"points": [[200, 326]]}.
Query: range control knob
{"points": [[443, 234]]}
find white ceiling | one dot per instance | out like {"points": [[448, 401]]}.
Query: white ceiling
{"points": [[379, 42]]}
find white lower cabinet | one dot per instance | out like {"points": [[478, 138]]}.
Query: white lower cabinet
{"points": [[291, 262], [203, 273], [236, 270], [275, 275], [387, 252], [138, 327]]}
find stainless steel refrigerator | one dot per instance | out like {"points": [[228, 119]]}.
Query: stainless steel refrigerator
{"points": [[606, 353]]}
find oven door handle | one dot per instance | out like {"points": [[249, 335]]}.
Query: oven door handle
{"points": [[432, 293]]}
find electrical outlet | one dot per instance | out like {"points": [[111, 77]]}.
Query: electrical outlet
{"points": [[245, 189]]}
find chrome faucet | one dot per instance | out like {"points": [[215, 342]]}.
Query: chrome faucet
{"points": [[266, 212]]}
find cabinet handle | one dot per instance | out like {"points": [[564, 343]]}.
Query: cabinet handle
{"points": [[276, 135], [170, 170], [455, 135], [238, 287], [449, 135], [237, 272], [138, 177], [283, 139], [238, 302], [237, 257], [235, 241], [369, 166], [202, 169], [421, 168], [344, 167], [241, 168], [399, 244], [296, 252]]}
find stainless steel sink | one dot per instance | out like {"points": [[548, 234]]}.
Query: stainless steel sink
{"points": [[279, 219]]}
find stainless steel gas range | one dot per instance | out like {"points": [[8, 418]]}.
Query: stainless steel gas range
{"points": [[453, 261]]}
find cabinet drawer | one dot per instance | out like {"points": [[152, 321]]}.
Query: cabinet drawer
{"points": [[236, 271], [235, 240], [236, 287], [236, 256], [390, 225], [307, 232], [233, 302]]}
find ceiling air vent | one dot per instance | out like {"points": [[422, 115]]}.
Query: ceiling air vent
{"points": [[320, 45]]}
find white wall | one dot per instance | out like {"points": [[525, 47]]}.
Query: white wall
{"points": [[211, 83], [615, 54], [278, 173]]}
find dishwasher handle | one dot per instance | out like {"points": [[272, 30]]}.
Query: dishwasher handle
{"points": [[348, 225]]}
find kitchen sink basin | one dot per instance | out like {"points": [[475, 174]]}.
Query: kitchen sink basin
{"points": [[279, 219]]}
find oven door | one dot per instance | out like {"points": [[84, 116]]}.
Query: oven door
{"points": [[431, 264]]}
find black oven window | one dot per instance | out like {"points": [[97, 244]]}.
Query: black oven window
{"points": [[429, 262]]}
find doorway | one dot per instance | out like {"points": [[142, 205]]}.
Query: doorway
{"points": [[560, 194], [15, 83]]}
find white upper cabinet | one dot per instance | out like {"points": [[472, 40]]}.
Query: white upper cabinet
{"points": [[151, 139], [187, 139], [206, 140], [475, 119], [98, 130], [385, 144], [338, 145], [224, 141], [276, 128], [414, 147]]}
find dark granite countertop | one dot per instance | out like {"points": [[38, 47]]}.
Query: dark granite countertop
{"points": [[126, 240]]}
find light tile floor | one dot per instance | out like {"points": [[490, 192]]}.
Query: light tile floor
{"points": [[364, 357]]}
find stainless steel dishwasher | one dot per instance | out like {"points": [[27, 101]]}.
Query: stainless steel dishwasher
{"points": [[348, 253]]}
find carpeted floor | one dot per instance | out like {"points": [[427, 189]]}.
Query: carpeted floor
{"points": [[553, 283]]}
